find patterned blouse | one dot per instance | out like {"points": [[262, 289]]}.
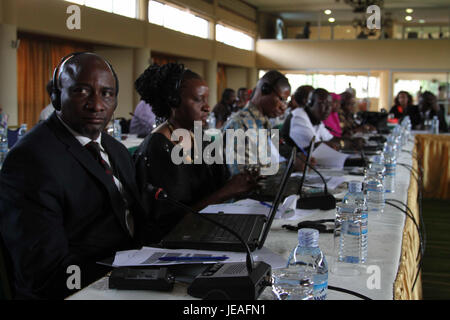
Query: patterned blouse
{"points": [[248, 118]]}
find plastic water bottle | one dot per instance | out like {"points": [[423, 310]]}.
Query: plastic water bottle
{"points": [[211, 121], [374, 187], [288, 284], [390, 164], [435, 125], [357, 225], [3, 144], [117, 130], [22, 131], [306, 258]]}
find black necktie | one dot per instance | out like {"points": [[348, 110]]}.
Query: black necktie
{"points": [[94, 148]]}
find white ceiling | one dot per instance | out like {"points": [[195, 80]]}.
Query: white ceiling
{"points": [[295, 12], [315, 5]]}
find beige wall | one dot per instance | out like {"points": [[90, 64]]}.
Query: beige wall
{"points": [[198, 66], [236, 77], [122, 60], [353, 54], [110, 29], [8, 73]]}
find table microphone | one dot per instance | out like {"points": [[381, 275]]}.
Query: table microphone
{"points": [[322, 201], [230, 280]]}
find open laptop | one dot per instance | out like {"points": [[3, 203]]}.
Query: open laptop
{"points": [[193, 232]]}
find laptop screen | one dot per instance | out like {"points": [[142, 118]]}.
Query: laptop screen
{"points": [[278, 197]]}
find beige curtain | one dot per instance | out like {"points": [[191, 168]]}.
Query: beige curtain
{"points": [[36, 59], [433, 153]]}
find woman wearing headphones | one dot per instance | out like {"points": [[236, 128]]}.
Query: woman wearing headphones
{"points": [[181, 97]]}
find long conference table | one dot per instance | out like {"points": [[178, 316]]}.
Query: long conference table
{"points": [[389, 272]]}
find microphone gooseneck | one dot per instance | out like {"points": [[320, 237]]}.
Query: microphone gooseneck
{"points": [[316, 171]]}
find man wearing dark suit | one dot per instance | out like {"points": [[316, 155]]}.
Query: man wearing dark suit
{"points": [[61, 204]]}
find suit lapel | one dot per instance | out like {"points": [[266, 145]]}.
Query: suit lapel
{"points": [[83, 156]]}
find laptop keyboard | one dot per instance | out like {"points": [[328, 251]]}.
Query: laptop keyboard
{"points": [[238, 223]]}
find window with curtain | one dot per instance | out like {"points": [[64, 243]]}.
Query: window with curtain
{"points": [[36, 59]]}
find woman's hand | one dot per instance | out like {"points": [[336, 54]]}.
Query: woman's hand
{"points": [[240, 184]]}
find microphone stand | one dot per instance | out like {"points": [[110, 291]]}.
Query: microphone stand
{"points": [[323, 202], [228, 280]]}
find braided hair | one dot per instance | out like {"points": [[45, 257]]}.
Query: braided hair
{"points": [[160, 86]]}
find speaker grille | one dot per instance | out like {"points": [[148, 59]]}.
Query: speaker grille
{"points": [[235, 268]]}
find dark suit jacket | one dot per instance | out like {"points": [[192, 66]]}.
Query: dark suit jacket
{"points": [[59, 208]]}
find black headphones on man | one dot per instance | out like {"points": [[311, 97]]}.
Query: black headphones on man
{"points": [[55, 96], [268, 87], [311, 98]]}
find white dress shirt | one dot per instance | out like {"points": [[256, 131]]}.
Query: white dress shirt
{"points": [[302, 130]]}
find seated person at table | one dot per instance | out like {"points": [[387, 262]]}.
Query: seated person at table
{"points": [[143, 120], [68, 189], [180, 96], [242, 98], [225, 107], [349, 124], [268, 100], [307, 123], [402, 102], [425, 111], [332, 123]]}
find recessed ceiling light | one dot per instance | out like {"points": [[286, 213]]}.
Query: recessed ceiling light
{"points": [[408, 18], [409, 10], [328, 11], [421, 21], [331, 20]]}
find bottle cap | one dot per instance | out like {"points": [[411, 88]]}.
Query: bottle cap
{"points": [[354, 186], [308, 237]]}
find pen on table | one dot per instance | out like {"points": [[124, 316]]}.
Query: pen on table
{"points": [[265, 204], [221, 258]]}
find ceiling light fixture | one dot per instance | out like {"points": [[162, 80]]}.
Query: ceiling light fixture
{"points": [[327, 12], [408, 18], [409, 10], [331, 20]]}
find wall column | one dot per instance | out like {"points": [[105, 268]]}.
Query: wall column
{"points": [[386, 90], [211, 80], [143, 10], [142, 59], [252, 77], [8, 74]]}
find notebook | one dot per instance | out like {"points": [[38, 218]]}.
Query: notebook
{"points": [[193, 232]]}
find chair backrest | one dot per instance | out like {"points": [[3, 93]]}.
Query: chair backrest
{"points": [[6, 283], [12, 137]]}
